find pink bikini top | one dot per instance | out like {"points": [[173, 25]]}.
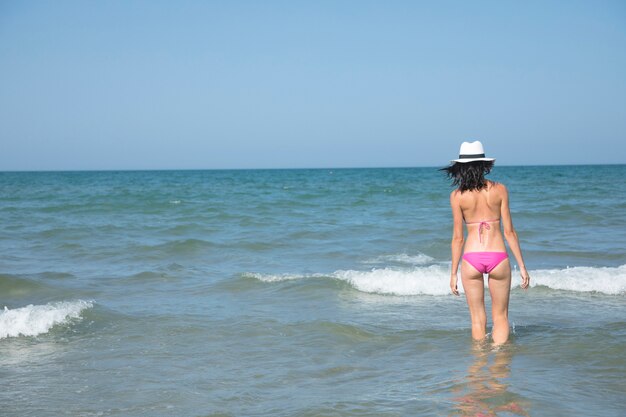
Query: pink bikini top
{"points": [[482, 225]]}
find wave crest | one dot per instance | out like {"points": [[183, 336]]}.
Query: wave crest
{"points": [[34, 320], [434, 279], [606, 280], [402, 258], [431, 280]]}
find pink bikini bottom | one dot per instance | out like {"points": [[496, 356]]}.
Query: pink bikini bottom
{"points": [[485, 262]]}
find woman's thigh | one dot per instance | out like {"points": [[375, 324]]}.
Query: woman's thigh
{"points": [[500, 287], [474, 287]]}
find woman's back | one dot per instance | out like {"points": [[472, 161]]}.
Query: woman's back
{"points": [[482, 212]]}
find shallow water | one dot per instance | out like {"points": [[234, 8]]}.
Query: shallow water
{"points": [[301, 292]]}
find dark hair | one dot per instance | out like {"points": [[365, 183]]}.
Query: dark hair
{"points": [[468, 176]]}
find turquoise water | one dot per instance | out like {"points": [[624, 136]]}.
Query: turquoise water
{"points": [[301, 293]]}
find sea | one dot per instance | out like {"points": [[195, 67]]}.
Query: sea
{"points": [[302, 292]]}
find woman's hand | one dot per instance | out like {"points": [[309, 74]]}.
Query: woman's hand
{"points": [[525, 278], [453, 284]]}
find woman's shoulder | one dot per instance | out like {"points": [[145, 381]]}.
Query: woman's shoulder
{"points": [[497, 186]]}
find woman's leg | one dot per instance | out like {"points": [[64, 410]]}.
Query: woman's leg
{"points": [[500, 288], [474, 288]]}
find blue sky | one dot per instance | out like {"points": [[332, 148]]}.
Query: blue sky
{"points": [[254, 84]]}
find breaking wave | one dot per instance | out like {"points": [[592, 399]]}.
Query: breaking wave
{"points": [[34, 320], [402, 258], [434, 279]]}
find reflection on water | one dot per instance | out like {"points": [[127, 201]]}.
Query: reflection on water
{"points": [[485, 388]]}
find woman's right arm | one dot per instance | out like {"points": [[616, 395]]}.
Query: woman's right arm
{"points": [[511, 237], [457, 240]]}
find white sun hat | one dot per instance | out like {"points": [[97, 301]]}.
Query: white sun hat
{"points": [[472, 151]]}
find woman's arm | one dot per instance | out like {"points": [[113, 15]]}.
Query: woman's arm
{"points": [[511, 236], [457, 239]]}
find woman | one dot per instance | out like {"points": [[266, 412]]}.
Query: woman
{"points": [[483, 205]]}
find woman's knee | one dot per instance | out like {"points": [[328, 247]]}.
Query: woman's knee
{"points": [[500, 316], [479, 319]]}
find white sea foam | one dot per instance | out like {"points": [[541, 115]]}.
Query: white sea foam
{"points": [[279, 277], [604, 280], [33, 320], [402, 258], [434, 279], [431, 280]]}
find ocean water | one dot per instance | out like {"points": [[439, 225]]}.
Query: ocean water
{"points": [[301, 293]]}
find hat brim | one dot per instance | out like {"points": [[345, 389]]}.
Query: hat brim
{"points": [[465, 160]]}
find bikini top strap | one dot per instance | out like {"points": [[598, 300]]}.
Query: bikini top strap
{"points": [[482, 221], [483, 225]]}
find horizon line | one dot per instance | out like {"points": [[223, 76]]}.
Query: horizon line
{"points": [[278, 168]]}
